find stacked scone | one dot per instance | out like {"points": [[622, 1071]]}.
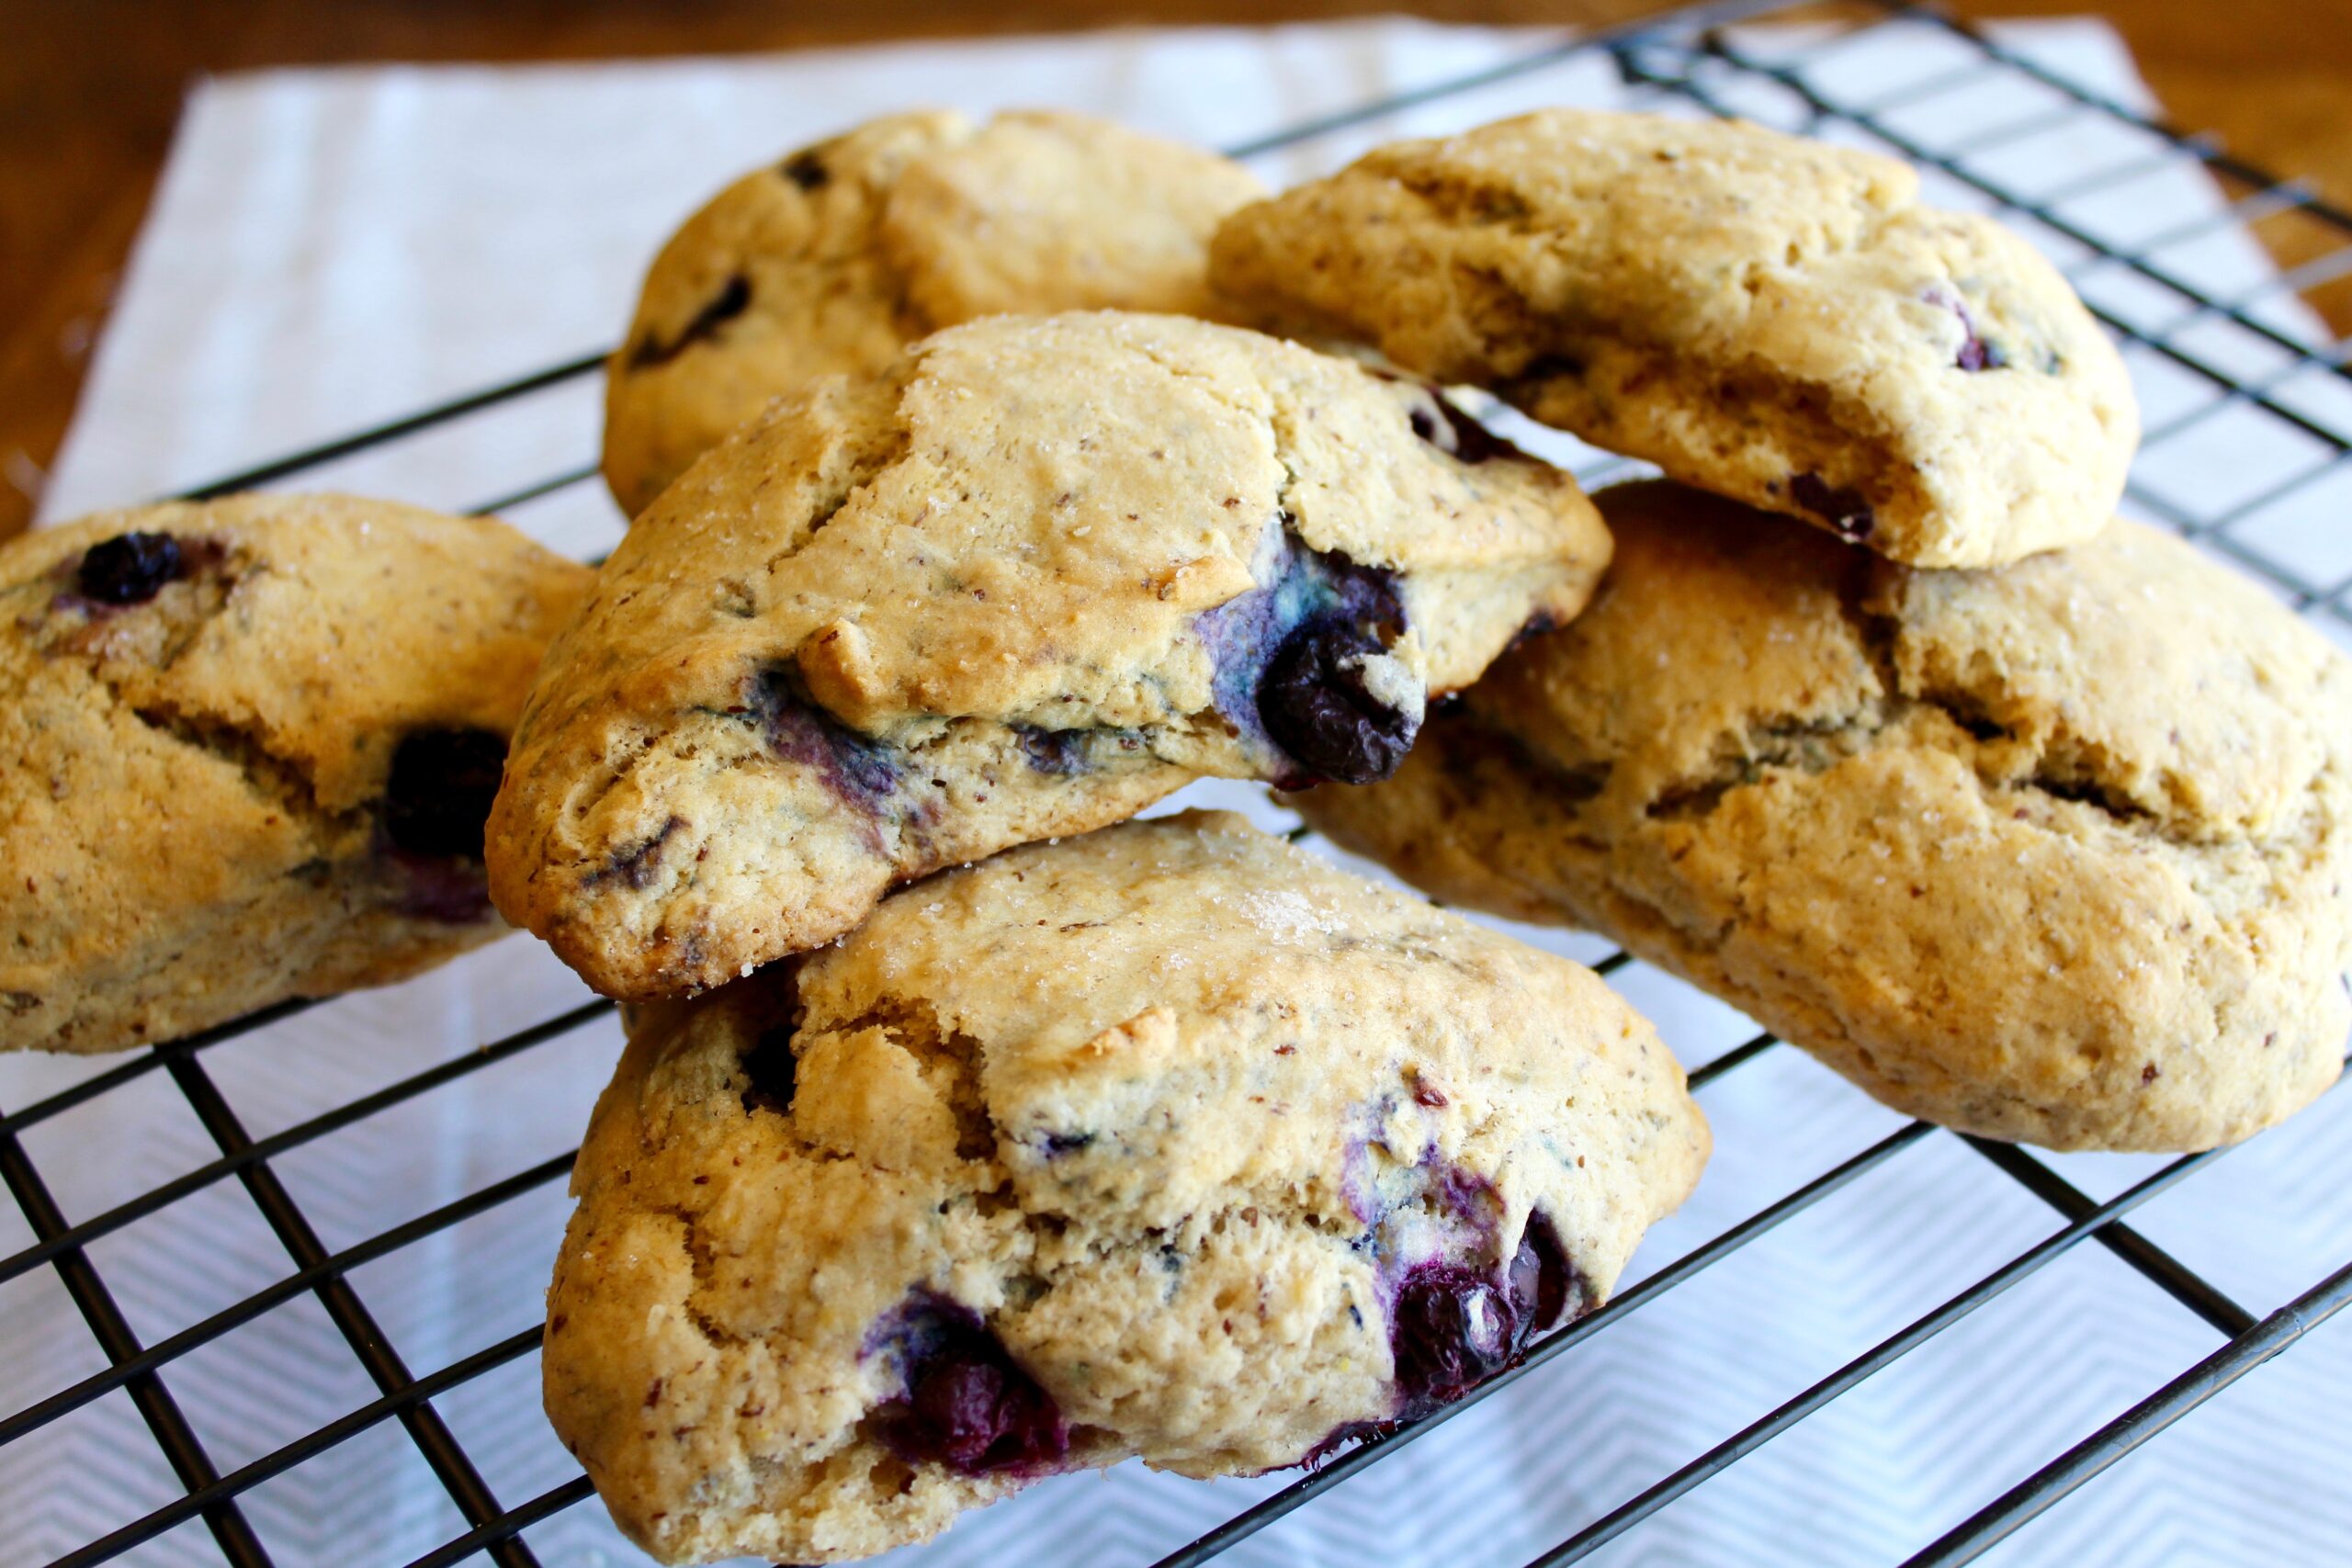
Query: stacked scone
{"points": [[2029, 822], [1103, 1138], [969, 1131]]}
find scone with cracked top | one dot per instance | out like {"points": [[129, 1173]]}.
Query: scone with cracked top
{"points": [[838, 256], [1770, 318], [246, 749], [1043, 572], [2056, 853], [1171, 1140]]}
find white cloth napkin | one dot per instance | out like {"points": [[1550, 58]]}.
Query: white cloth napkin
{"points": [[333, 248]]}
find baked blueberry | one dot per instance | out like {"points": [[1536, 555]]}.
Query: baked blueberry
{"points": [[1541, 1279], [771, 1072], [732, 299], [806, 170], [1842, 508], [128, 568], [1456, 433], [439, 795], [857, 768], [1976, 353], [1328, 696], [966, 1404], [1318, 703], [1449, 1330]]}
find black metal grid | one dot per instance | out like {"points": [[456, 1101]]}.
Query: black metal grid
{"points": [[1683, 57]]}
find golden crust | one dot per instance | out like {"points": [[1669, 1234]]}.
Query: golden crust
{"points": [[1771, 319], [1171, 1107], [832, 260], [188, 803], [822, 664], [2055, 853]]}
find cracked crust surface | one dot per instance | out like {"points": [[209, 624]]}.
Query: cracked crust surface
{"points": [[1172, 1109], [1769, 318], [191, 783], [1023, 584], [835, 258], [2055, 853]]}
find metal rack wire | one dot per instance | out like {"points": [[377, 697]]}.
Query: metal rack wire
{"points": [[1685, 57]]}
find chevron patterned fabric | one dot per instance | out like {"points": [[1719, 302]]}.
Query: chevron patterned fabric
{"points": [[317, 260]]}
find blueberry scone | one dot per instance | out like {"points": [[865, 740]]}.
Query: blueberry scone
{"points": [[1771, 319], [1042, 572], [1171, 1140], [247, 750], [838, 256], [2055, 853]]}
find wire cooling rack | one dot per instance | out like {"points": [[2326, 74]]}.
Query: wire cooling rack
{"points": [[2246, 423]]}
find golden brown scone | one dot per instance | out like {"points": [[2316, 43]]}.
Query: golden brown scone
{"points": [[1169, 1140], [1769, 318], [2055, 853], [1044, 571], [834, 259], [246, 749]]}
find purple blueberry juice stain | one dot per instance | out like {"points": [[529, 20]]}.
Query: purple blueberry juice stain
{"points": [[857, 768], [1465, 1194], [1843, 509], [432, 887], [1976, 352], [1358, 1189], [1289, 658], [1061, 752], [965, 1404], [636, 866]]}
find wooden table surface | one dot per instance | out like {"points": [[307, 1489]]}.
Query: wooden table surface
{"points": [[90, 90]]}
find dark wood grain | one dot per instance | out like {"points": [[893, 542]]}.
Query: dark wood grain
{"points": [[89, 90]]}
